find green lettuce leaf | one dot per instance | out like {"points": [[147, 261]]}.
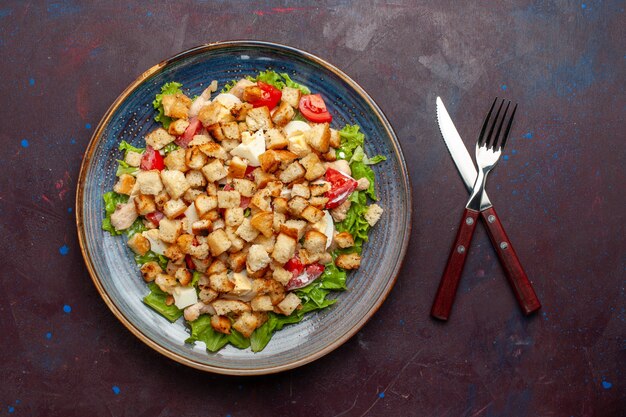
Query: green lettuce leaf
{"points": [[125, 146], [280, 81], [290, 83], [351, 138], [167, 89], [156, 301], [238, 340], [360, 170], [124, 168], [196, 277], [202, 331], [170, 147], [355, 222], [151, 257], [229, 85], [360, 156]]}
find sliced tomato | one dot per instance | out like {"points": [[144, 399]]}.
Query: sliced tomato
{"points": [[190, 132], [151, 159], [270, 96], [155, 217], [313, 109], [249, 170], [310, 274], [228, 187], [342, 185], [295, 266], [245, 202]]}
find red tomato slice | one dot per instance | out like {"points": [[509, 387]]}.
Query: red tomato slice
{"points": [[271, 96], [342, 185], [190, 132], [310, 274], [151, 159], [294, 266], [249, 170], [245, 202], [155, 217], [313, 109]]}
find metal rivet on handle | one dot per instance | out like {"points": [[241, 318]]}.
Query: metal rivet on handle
{"points": [[460, 249], [504, 245], [469, 221], [491, 218]]}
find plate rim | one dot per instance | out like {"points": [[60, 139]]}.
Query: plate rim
{"points": [[94, 140]]}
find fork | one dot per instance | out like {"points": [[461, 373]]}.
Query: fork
{"points": [[488, 151]]}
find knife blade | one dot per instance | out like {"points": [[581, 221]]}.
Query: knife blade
{"points": [[521, 285], [458, 151]]}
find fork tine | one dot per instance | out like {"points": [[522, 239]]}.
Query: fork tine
{"points": [[481, 137], [490, 138], [497, 136], [508, 128]]}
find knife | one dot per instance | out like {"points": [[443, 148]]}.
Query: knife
{"points": [[518, 280]]}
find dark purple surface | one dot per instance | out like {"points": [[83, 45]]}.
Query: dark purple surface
{"points": [[559, 191]]}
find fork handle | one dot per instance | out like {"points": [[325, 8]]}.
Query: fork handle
{"points": [[520, 283], [454, 268]]}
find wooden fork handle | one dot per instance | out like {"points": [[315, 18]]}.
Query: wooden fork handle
{"points": [[454, 268], [520, 283]]}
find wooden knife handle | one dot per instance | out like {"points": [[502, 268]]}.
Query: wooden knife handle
{"points": [[520, 283], [454, 268]]}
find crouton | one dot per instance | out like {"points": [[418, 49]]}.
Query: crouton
{"points": [[274, 139], [294, 228], [257, 258], [275, 188], [199, 140], [185, 242], [214, 171], [242, 284], [211, 189], [214, 150], [215, 130], [214, 113], [262, 303], [149, 182], [231, 131], [169, 230], [240, 86], [237, 261], [330, 156], [195, 179], [246, 324], [216, 267], [233, 216], [267, 242], [318, 202], [319, 188], [194, 158], [344, 240], [312, 214], [284, 249], [283, 114], [299, 145], [133, 158], [202, 227], [289, 304], [269, 161], [293, 172], [218, 242], [124, 184], [150, 270], [286, 157], [373, 213], [200, 251], [229, 144], [223, 307], [246, 231], [278, 220], [206, 294], [315, 242], [166, 283], [175, 255], [243, 127], [159, 138], [219, 282], [263, 222], [281, 275], [237, 167], [220, 324], [245, 187], [178, 127], [205, 203], [335, 139], [175, 183], [253, 93], [280, 205], [175, 160], [261, 199], [174, 208], [319, 137], [176, 105], [184, 276], [291, 96], [239, 112], [348, 261], [314, 167], [262, 178], [259, 118], [139, 244], [301, 190], [297, 205], [161, 198], [308, 258], [228, 199], [144, 204]]}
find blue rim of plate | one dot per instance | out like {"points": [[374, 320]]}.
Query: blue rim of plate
{"points": [[97, 135]]}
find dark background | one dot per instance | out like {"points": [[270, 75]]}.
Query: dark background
{"points": [[559, 191]]}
